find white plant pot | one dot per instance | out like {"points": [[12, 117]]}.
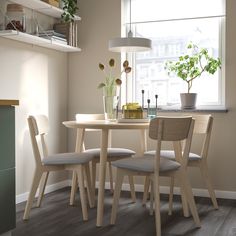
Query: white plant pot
{"points": [[188, 100]]}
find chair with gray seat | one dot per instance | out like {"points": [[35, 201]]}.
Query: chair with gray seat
{"points": [[168, 129], [44, 163], [203, 128], [112, 155]]}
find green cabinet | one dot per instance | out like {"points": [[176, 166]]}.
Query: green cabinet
{"points": [[7, 137], [7, 200], [7, 168]]}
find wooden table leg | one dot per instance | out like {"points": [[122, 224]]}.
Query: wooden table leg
{"points": [[143, 141], [79, 147], [102, 176]]}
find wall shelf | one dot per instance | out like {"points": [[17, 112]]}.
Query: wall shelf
{"points": [[46, 9], [35, 40], [42, 7]]}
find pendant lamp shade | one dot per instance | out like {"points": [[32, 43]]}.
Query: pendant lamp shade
{"points": [[130, 43]]}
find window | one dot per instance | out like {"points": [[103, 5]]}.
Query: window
{"points": [[171, 25]]}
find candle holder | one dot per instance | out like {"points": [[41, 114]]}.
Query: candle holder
{"points": [[142, 98], [152, 111]]}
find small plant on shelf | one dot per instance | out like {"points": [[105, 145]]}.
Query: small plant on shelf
{"points": [[69, 8]]}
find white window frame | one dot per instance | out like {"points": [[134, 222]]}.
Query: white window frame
{"points": [[127, 94]]}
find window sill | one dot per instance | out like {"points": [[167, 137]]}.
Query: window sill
{"points": [[166, 109], [197, 110]]}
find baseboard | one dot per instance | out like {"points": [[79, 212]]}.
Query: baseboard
{"points": [[165, 189], [138, 188], [50, 188]]}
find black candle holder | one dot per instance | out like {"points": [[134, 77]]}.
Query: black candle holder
{"points": [[142, 98], [148, 107], [156, 97]]}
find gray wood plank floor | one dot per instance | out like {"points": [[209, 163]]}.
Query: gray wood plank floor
{"points": [[56, 217]]}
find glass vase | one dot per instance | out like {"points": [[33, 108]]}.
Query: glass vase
{"points": [[111, 102]]}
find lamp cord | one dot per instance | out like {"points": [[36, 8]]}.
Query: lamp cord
{"points": [[130, 34], [130, 15]]}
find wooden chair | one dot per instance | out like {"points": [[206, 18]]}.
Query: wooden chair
{"points": [[203, 126], [168, 129], [77, 162], [112, 155]]}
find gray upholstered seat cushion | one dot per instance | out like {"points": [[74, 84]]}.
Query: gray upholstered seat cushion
{"points": [[111, 152], [67, 158], [169, 154], [145, 164], [194, 157]]}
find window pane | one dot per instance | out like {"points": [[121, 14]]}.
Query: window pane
{"points": [[169, 41], [153, 10]]}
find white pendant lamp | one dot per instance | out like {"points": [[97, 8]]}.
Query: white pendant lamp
{"points": [[130, 43]]}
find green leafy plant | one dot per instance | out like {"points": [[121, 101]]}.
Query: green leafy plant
{"points": [[69, 8], [111, 82], [193, 64]]}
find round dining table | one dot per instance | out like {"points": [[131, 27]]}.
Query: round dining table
{"points": [[105, 127]]}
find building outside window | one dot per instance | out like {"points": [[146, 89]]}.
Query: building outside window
{"points": [[171, 32]]}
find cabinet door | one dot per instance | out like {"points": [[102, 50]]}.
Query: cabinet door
{"points": [[7, 200], [7, 137]]}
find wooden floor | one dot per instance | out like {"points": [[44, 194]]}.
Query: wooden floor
{"points": [[56, 217]]}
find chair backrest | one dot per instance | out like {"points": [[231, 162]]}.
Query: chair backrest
{"points": [[203, 125], [172, 129], [89, 117], [38, 126]]}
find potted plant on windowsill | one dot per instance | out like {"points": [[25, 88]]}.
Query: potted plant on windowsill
{"points": [[191, 66]]}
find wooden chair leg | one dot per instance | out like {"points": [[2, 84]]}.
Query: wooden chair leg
{"points": [[151, 199], [93, 179], [110, 177], [132, 188], [42, 188], [157, 205], [74, 186], [89, 186], [206, 177], [146, 189], [172, 180], [82, 192], [184, 201], [116, 196], [189, 196], [34, 187]]}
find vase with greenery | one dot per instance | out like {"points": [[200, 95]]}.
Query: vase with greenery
{"points": [[111, 88], [191, 66], [69, 8]]}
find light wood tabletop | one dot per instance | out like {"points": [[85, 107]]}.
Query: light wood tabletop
{"points": [[7, 102]]}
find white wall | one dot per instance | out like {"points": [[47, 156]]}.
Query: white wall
{"points": [[100, 22], [38, 78]]}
